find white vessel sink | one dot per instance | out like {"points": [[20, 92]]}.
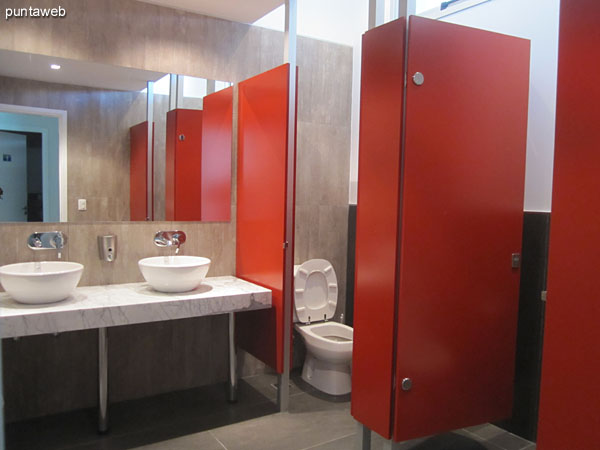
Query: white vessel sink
{"points": [[174, 273], [40, 282]]}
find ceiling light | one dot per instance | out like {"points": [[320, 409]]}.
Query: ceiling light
{"points": [[55, 66]]}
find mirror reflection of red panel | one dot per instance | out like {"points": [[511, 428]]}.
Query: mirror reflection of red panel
{"points": [[262, 208], [183, 165], [138, 171], [215, 194]]}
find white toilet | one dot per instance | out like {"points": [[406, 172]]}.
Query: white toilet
{"points": [[328, 344]]}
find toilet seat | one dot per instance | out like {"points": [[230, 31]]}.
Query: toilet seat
{"points": [[315, 291]]}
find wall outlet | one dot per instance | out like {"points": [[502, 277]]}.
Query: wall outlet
{"points": [[82, 204]]}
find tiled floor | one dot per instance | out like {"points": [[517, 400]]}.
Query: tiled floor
{"points": [[202, 419]]}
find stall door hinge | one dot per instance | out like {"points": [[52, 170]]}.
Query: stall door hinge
{"points": [[544, 295]]}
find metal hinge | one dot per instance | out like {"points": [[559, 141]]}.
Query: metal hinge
{"points": [[544, 295], [285, 244]]}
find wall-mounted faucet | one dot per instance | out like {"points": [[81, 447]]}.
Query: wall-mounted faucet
{"points": [[49, 240], [169, 239]]}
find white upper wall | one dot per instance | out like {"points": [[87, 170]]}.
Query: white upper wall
{"points": [[339, 21], [536, 20], [344, 21]]}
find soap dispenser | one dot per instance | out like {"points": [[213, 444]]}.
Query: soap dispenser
{"points": [[107, 247]]}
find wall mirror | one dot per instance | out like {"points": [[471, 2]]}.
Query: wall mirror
{"points": [[67, 131]]}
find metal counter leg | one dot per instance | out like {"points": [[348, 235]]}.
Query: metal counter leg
{"points": [[363, 435], [102, 380], [233, 381]]}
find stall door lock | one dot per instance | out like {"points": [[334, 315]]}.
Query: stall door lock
{"points": [[516, 260]]}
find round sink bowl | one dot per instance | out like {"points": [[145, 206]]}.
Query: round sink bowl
{"points": [[174, 273], [40, 282]]}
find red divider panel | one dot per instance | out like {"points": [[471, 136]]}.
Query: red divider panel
{"points": [[462, 216], [215, 193], [138, 171], [183, 165], [570, 396], [377, 224], [261, 207]]}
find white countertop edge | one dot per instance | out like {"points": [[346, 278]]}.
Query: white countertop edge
{"points": [[126, 304]]}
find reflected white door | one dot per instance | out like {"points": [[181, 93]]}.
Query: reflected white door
{"points": [[13, 177]]}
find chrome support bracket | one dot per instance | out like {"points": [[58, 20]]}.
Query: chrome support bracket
{"points": [[232, 384], [102, 380]]}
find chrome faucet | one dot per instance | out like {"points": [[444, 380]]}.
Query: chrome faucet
{"points": [[169, 239], [49, 240]]}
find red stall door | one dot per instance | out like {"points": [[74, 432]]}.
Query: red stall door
{"points": [[262, 208], [183, 165], [138, 171], [446, 291], [570, 394], [462, 217], [382, 94]]}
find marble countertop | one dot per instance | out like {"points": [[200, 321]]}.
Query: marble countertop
{"points": [[126, 304]]}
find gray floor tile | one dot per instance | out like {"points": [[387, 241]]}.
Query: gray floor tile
{"points": [[486, 431], [141, 422], [457, 440], [204, 441], [309, 422], [343, 443], [508, 441], [266, 385], [202, 419]]}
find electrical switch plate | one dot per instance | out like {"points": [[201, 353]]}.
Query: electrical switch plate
{"points": [[82, 204]]}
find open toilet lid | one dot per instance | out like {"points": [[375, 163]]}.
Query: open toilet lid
{"points": [[315, 290]]}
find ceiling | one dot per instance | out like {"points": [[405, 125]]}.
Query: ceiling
{"points": [[245, 11], [78, 73]]}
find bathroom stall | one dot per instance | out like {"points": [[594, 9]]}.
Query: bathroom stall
{"points": [[265, 207], [570, 397], [439, 226]]}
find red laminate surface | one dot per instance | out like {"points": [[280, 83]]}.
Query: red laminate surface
{"points": [[183, 165], [377, 224], [216, 156], [569, 415], [261, 207], [138, 172], [463, 183]]}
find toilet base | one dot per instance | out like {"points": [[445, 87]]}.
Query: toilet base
{"points": [[333, 379]]}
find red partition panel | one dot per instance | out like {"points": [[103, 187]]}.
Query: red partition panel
{"points": [[570, 396], [183, 165], [462, 216], [377, 224], [215, 193], [262, 207], [138, 171]]}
